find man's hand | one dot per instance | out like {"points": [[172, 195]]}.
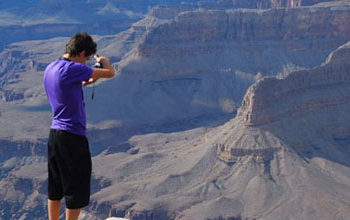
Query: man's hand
{"points": [[91, 81], [107, 71], [102, 59]]}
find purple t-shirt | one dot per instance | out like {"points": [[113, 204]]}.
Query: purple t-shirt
{"points": [[63, 85]]}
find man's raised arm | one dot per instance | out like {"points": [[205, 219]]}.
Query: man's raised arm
{"points": [[106, 72]]}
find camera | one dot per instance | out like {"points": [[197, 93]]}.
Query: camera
{"points": [[98, 64]]}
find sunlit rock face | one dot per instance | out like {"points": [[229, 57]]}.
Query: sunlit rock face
{"points": [[274, 99], [212, 37]]}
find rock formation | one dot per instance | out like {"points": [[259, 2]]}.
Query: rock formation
{"points": [[293, 167], [298, 93], [302, 116]]}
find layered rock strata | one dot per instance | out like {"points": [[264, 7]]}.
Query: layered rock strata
{"points": [[172, 11], [307, 23], [267, 41], [320, 88]]}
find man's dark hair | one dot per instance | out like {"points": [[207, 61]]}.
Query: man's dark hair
{"points": [[79, 42]]}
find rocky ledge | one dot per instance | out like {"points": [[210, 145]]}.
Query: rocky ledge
{"points": [[170, 11], [272, 99]]}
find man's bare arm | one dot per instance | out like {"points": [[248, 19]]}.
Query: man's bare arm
{"points": [[106, 72]]}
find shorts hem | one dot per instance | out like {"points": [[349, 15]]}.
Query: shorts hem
{"points": [[55, 198], [76, 206]]}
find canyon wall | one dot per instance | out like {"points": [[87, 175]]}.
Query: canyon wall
{"points": [[266, 41], [273, 99]]}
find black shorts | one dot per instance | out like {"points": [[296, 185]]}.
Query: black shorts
{"points": [[69, 168]]}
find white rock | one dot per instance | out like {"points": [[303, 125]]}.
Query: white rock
{"points": [[113, 218]]}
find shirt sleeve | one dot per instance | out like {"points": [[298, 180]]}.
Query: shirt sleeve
{"points": [[78, 72]]}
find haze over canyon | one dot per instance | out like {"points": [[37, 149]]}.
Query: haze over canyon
{"points": [[220, 110]]}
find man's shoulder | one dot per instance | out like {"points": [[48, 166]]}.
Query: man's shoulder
{"points": [[78, 71], [51, 65]]}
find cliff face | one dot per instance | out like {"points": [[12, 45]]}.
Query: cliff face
{"points": [[172, 11], [215, 27], [250, 41], [300, 92]]}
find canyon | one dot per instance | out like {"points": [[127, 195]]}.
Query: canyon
{"points": [[220, 110]]}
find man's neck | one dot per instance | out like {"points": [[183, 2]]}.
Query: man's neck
{"points": [[76, 59]]}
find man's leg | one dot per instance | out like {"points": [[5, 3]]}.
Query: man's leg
{"points": [[55, 193], [76, 174], [54, 207], [72, 214]]}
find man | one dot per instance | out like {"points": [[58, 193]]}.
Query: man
{"points": [[69, 159]]}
